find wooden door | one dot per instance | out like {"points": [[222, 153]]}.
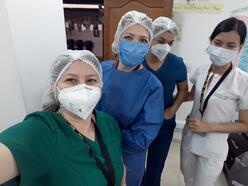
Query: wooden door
{"points": [[114, 9]]}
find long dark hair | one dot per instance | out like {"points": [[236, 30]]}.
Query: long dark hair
{"points": [[231, 24]]}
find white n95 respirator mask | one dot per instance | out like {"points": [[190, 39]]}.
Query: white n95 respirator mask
{"points": [[160, 51], [221, 56], [79, 100]]}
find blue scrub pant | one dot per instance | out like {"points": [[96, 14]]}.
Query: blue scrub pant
{"points": [[157, 154], [135, 167]]}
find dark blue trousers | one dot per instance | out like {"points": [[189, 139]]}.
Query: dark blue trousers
{"points": [[135, 167], [157, 154]]}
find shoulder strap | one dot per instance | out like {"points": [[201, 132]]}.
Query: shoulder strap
{"points": [[108, 174], [214, 89]]}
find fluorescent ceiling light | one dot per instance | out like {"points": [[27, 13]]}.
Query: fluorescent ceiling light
{"points": [[83, 6]]}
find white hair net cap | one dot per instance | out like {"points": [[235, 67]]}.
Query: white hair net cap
{"points": [[72, 55], [164, 24], [127, 20], [62, 63]]}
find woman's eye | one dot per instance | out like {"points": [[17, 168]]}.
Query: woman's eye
{"points": [[170, 43], [143, 41], [217, 43], [161, 42], [91, 81], [128, 38], [71, 80], [232, 47]]}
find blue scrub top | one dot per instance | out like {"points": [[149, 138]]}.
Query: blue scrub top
{"points": [[135, 100], [172, 71]]}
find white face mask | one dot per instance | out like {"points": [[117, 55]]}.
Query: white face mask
{"points": [[160, 51], [221, 56], [80, 100]]}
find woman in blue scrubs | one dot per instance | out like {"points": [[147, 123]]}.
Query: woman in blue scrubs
{"points": [[131, 94], [171, 71]]}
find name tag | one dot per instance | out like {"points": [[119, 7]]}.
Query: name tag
{"points": [[223, 97]]}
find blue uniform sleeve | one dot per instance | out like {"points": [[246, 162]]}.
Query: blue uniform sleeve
{"points": [[183, 70], [147, 124]]}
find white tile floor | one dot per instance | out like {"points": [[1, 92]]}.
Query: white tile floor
{"points": [[172, 175]]}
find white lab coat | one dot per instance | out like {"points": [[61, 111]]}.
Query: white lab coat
{"points": [[231, 95]]}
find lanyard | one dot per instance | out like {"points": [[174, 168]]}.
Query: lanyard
{"points": [[202, 110], [109, 172]]}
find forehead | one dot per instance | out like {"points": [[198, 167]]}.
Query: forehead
{"points": [[80, 68], [166, 35], [229, 37], [137, 30]]}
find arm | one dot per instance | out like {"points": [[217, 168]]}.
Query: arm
{"points": [[123, 181], [182, 90], [197, 125], [190, 95], [8, 164], [30, 145], [147, 123]]}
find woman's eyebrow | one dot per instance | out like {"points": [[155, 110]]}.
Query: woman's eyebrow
{"points": [[92, 75], [232, 43], [128, 33], [163, 39], [71, 74], [142, 36], [218, 40]]}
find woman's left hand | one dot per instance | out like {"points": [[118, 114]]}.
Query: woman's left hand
{"points": [[197, 125]]}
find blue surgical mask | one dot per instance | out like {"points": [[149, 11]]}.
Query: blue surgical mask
{"points": [[132, 53]]}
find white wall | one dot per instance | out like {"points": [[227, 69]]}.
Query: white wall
{"points": [[38, 33], [12, 107], [196, 29], [32, 34]]}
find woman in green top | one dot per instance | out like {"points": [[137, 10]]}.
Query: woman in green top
{"points": [[67, 144]]}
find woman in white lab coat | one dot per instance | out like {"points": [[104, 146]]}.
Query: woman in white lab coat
{"points": [[219, 90]]}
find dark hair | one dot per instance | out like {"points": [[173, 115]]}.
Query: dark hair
{"points": [[228, 25]]}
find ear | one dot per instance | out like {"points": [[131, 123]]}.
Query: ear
{"points": [[56, 90]]}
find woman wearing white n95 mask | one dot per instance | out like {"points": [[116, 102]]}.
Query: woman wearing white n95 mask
{"points": [[171, 71], [219, 90], [68, 143]]}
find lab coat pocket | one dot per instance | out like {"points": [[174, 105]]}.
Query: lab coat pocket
{"points": [[224, 96], [225, 100]]}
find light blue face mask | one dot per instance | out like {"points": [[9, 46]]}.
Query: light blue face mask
{"points": [[132, 53]]}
